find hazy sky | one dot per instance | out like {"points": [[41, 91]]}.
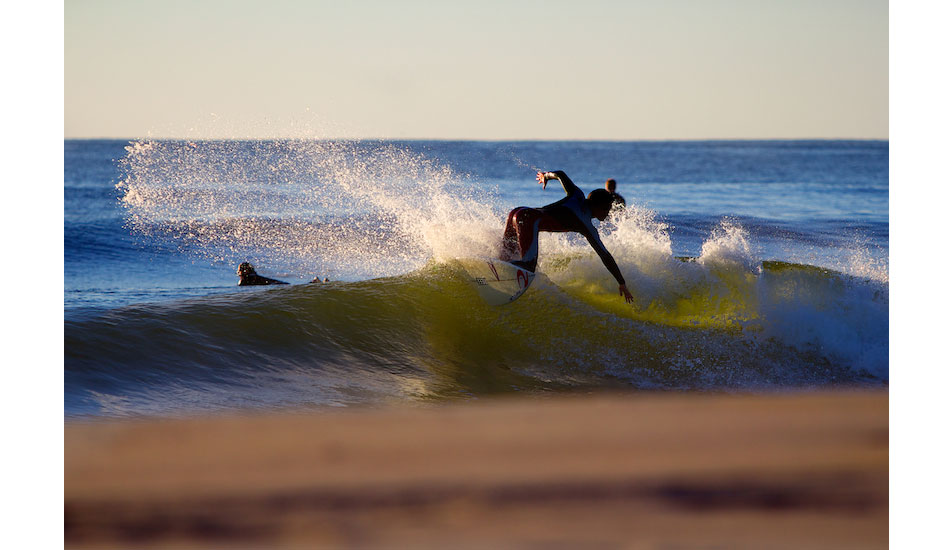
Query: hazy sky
{"points": [[588, 69]]}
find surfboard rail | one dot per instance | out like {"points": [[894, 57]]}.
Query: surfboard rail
{"points": [[497, 282]]}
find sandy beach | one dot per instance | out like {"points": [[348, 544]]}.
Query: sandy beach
{"points": [[804, 470]]}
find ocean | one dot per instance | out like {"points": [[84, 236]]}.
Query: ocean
{"points": [[754, 265]]}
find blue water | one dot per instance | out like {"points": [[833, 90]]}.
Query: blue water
{"points": [[765, 263]]}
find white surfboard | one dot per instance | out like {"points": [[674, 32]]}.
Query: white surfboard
{"points": [[497, 282]]}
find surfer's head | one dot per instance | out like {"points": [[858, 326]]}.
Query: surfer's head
{"points": [[599, 202], [611, 185], [245, 269]]}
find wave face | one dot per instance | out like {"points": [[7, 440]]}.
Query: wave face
{"points": [[700, 325]]}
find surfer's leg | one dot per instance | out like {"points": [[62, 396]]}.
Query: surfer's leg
{"points": [[527, 224], [510, 240]]}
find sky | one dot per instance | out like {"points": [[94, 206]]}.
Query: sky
{"points": [[612, 70]]}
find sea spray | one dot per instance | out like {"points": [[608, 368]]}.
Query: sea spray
{"points": [[728, 245], [355, 210], [866, 261]]}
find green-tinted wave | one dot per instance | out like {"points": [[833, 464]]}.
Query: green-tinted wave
{"points": [[427, 335]]}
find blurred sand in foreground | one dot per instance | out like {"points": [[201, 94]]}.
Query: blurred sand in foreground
{"points": [[677, 470]]}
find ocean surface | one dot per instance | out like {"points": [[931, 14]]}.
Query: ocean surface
{"points": [[755, 266]]}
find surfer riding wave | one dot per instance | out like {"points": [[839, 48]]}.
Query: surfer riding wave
{"points": [[572, 213]]}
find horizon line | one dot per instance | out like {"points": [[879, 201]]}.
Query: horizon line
{"points": [[446, 139]]}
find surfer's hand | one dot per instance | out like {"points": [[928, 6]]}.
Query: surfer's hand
{"points": [[543, 180], [626, 294]]}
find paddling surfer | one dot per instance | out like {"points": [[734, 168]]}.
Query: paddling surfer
{"points": [[249, 277], [572, 213], [611, 185]]}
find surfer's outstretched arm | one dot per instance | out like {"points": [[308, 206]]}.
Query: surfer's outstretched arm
{"points": [[607, 258], [559, 175]]}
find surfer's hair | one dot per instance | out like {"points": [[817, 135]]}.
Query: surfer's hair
{"points": [[245, 269], [601, 197]]}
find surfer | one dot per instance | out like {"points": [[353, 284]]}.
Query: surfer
{"points": [[250, 277], [611, 185], [572, 213]]}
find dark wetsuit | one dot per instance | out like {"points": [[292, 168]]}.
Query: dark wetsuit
{"points": [[255, 279], [568, 214], [249, 277]]}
